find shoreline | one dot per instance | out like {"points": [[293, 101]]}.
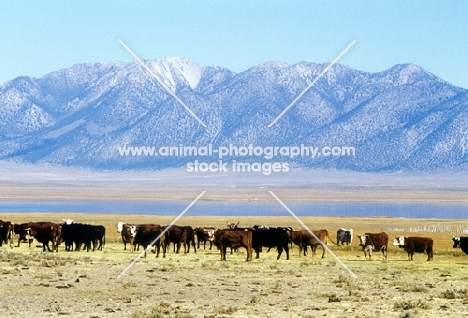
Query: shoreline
{"points": [[26, 192]]}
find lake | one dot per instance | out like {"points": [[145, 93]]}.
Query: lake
{"points": [[252, 208]]}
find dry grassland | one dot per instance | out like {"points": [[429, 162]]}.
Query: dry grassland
{"points": [[81, 284]]}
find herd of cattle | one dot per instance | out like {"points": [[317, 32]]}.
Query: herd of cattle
{"points": [[253, 239]]}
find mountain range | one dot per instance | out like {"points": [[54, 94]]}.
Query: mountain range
{"points": [[401, 119]]}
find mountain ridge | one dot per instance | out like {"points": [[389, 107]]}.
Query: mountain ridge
{"points": [[403, 118]]}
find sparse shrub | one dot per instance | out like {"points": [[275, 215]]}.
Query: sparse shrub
{"points": [[455, 293], [344, 279], [130, 285], [419, 289], [410, 304], [414, 289], [448, 294], [254, 300], [354, 293], [164, 310], [228, 311], [331, 264], [290, 272], [274, 266], [332, 298]]}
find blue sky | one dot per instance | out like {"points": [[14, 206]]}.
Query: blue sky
{"points": [[38, 37]]}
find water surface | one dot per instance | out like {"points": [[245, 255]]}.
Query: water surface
{"points": [[252, 208]]}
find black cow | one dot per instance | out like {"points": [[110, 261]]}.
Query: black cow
{"points": [[6, 233], [100, 237], [344, 236], [271, 237], [203, 235], [462, 242], [91, 236]]}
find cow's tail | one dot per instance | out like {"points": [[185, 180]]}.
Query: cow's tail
{"points": [[330, 239]]}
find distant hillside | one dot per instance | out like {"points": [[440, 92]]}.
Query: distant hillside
{"points": [[401, 119]]}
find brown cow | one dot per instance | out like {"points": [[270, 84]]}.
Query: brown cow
{"points": [[232, 238], [303, 239], [6, 233], [147, 234], [415, 245], [43, 232], [374, 241], [124, 230], [181, 235]]}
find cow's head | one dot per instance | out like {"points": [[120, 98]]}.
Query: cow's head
{"points": [[133, 230], [27, 234], [232, 226], [68, 221], [456, 241], [211, 234], [363, 239], [399, 241], [120, 227]]}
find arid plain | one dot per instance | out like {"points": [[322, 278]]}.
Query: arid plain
{"points": [[85, 284]]}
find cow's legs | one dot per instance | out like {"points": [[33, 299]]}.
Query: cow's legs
{"points": [[280, 251], [249, 253], [324, 253], [223, 250], [157, 248], [257, 252], [384, 252], [430, 253]]}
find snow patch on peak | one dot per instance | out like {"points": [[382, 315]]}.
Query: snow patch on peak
{"points": [[274, 65], [172, 69], [406, 71]]}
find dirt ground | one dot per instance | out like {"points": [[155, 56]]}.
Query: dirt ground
{"points": [[86, 284]]}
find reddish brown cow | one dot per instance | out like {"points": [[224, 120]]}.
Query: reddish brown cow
{"points": [[232, 238], [43, 232], [181, 235], [374, 241], [415, 245]]}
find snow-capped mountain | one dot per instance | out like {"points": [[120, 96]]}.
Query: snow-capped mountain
{"points": [[401, 119]]}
